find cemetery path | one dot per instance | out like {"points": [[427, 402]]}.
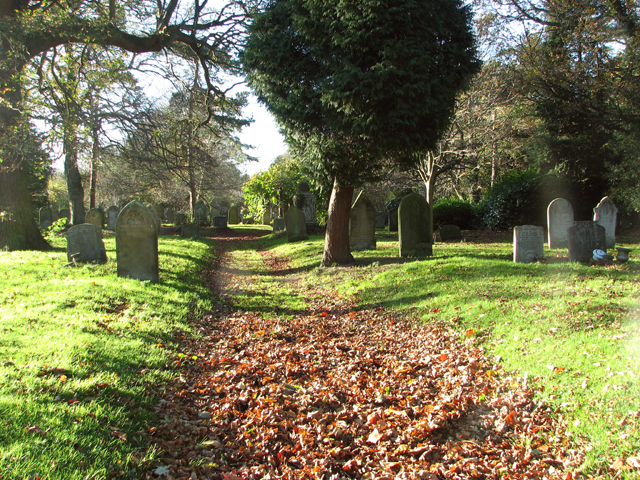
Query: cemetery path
{"points": [[339, 392]]}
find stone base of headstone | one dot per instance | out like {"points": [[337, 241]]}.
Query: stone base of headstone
{"points": [[528, 243], [584, 238], [84, 244], [450, 233], [220, 222], [189, 230]]}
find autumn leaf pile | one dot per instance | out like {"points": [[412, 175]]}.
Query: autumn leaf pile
{"points": [[339, 392]]}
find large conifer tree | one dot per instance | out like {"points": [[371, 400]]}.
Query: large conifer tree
{"points": [[355, 84]]}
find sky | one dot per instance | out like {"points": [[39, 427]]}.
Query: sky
{"points": [[263, 134]]}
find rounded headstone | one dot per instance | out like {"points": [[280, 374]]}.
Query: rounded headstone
{"points": [[84, 244], [295, 224], [137, 243], [415, 227], [606, 214], [559, 221], [362, 224]]}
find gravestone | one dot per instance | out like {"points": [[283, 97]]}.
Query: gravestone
{"points": [[181, 218], [415, 227], [279, 224], [306, 202], [584, 238], [95, 217], [45, 215], [84, 244], [296, 225], [392, 215], [559, 221], [189, 230], [528, 243], [112, 216], [200, 216], [170, 216], [137, 243], [381, 219], [266, 217], [233, 215], [157, 211], [606, 214], [449, 233], [362, 224], [55, 215], [66, 213], [220, 222]]}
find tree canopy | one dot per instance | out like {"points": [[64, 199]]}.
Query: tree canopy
{"points": [[354, 84]]}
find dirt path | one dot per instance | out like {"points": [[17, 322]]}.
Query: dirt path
{"points": [[339, 393]]}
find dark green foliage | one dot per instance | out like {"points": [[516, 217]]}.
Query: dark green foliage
{"points": [[355, 84], [454, 211]]}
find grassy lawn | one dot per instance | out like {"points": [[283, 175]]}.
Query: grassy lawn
{"points": [[572, 331], [81, 351]]}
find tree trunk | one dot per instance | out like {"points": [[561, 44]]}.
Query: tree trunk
{"points": [[72, 174], [95, 155], [336, 243], [18, 228]]}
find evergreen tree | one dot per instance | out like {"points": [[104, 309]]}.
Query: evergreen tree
{"points": [[355, 85]]}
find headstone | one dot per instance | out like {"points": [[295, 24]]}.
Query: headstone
{"points": [[606, 214], [189, 230], [46, 217], [296, 225], [381, 219], [137, 243], [415, 227], [200, 217], [95, 217], [559, 221], [220, 222], [279, 224], [392, 213], [266, 216], [306, 202], [84, 244], [584, 238], [181, 218], [528, 243], [449, 233], [157, 211], [362, 224], [112, 215], [55, 215], [233, 217], [66, 213], [170, 216]]}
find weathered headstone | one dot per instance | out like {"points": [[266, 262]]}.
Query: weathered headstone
{"points": [[46, 217], [415, 227], [220, 222], [170, 216], [449, 233], [84, 244], [66, 213], [200, 216], [528, 243], [381, 219], [392, 213], [233, 215], [137, 243], [296, 225], [157, 211], [95, 217], [181, 218], [189, 230], [112, 216], [584, 238], [279, 224], [266, 216], [559, 221], [362, 224], [306, 202], [606, 214]]}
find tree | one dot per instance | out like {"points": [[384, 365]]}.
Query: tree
{"points": [[31, 28], [355, 85]]}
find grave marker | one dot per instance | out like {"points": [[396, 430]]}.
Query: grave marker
{"points": [[528, 243], [45, 215], [84, 244], [295, 224], [559, 221], [584, 238], [450, 233], [362, 224], [137, 243], [415, 230], [606, 214]]}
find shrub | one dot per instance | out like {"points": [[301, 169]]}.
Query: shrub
{"points": [[513, 201], [453, 211]]}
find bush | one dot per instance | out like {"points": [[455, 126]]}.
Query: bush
{"points": [[453, 211], [513, 201]]}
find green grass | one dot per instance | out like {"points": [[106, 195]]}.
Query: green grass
{"points": [[572, 331], [81, 351]]}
